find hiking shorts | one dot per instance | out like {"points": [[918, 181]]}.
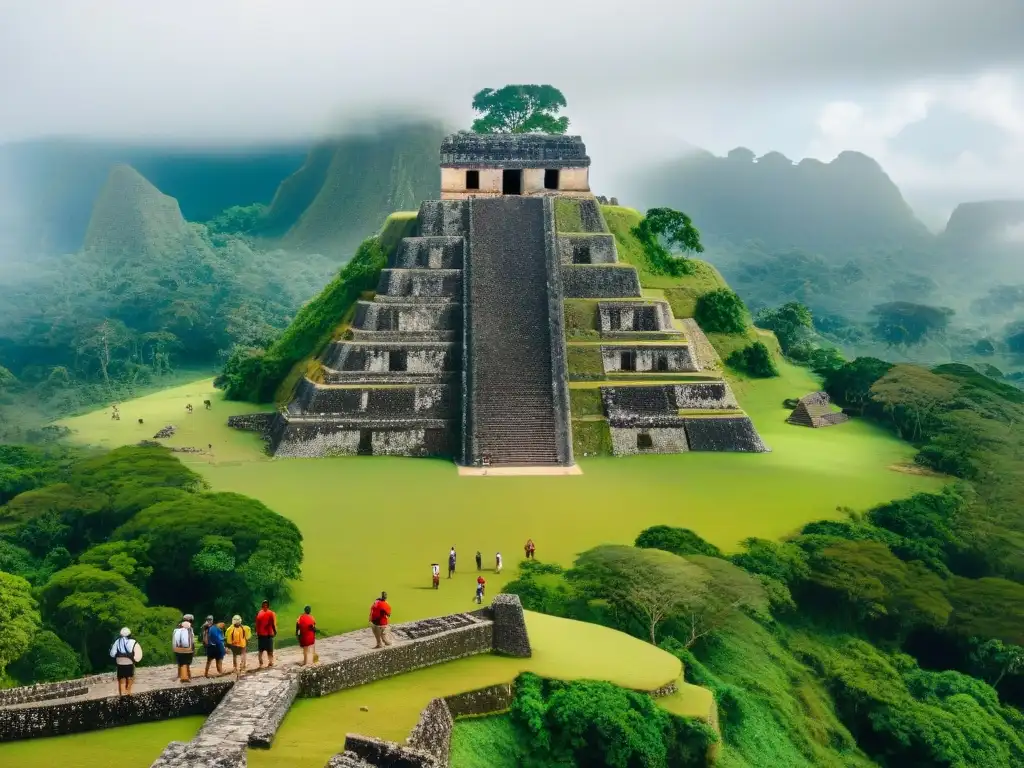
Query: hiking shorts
{"points": [[236, 650], [183, 659], [265, 643], [214, 652], [125, 671]]}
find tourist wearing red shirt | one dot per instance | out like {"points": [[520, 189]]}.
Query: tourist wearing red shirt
{"points": [[266, 629], [380, 613], [305, 630]]}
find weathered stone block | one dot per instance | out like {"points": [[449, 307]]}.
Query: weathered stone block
{"points": [[510, 635], [600, 282]]}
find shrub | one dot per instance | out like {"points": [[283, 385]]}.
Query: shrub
{"points": [[754, 360], [721, 311], [678, 541], [47, 660]]}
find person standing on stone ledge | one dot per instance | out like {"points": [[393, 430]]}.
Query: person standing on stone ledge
{"points": [[305, 630], [183, 641], [126, 653], [215, 651], [380, 615], [238, 640], [266, 629]]}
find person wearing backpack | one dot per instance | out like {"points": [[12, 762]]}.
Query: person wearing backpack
{"points": [[380, 615], [183, 642], [215, 648], [126, 653], [238, 639]]}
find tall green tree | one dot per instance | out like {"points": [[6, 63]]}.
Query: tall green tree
{"points": [[19, 619], [663, 230], [520, 109]]}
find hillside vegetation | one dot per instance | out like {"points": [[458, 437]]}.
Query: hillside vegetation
{"points": [[349, 185], [257, 373]]}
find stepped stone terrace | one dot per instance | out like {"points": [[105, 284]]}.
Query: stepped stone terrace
{"points": [[490, 323]]}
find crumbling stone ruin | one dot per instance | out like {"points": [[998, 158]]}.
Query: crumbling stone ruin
{"points": [[462, 351], [815, 410]]}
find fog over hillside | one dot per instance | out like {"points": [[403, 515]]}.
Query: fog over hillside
{"points": [[931, 91]]}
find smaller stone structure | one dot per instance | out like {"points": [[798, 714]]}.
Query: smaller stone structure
{"points": [[815, 410], [490, 165]]}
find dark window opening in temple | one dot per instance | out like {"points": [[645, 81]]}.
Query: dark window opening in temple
{"points": [[511, 182], [398, 360], [662, 364], [614, 319], [627, 360], [365, 442], [644, 442], [422, 258], [551, 178], [472, 179], [581, 253]]}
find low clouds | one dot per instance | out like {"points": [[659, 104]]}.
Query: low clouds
{"points": [[982, 117], [641, 78]]}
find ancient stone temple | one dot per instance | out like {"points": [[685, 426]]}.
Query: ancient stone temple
{"points": [[463, 351]]}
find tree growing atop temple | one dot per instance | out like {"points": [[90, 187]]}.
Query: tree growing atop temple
{"points": [[520, 109]]}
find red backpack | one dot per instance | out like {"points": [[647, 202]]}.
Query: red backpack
{"points": [[375, 612]]}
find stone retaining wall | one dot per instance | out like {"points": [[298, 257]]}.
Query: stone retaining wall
{"points": [[328, 678], [95, 714], [253, 422], [483, 701], [49, 691], [599, 282]]}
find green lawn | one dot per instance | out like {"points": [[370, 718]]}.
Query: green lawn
{"points": [[135, 746], [315, 728], [373, 523]]}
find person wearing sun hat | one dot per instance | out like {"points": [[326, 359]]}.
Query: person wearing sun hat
{"points": [[183, 642], [126, 653], [237, 638]]}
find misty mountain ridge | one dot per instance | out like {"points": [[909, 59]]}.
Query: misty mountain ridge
{"points": [[52, 184], [134, 219], [844, 205], [347, 187]]}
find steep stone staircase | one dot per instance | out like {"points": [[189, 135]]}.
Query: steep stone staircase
{"points": [[512, 400]]}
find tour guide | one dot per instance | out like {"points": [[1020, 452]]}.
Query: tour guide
{"points": [[266, 628]]}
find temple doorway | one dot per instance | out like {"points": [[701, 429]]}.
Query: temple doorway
{"points": [[511, 182]]}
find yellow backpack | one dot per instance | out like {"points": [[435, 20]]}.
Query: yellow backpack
{"points": [[238, 636]]}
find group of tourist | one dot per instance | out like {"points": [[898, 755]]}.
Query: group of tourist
{"points": [[435, 569], [217, 638]]}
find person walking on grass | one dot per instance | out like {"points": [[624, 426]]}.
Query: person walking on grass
{"points": [[126, 653], [497, 562], [183, 642], [380, 615], [305, 630], [479, 561], [266, 630], [451, 562], [435, 571], [215, 649], [530, 548], [238, 640]]}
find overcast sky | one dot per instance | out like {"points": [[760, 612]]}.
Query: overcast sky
{"points": [[933, 89]]}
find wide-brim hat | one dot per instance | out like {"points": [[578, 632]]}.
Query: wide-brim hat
{"points": [[125, 632], [236, 619]]}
